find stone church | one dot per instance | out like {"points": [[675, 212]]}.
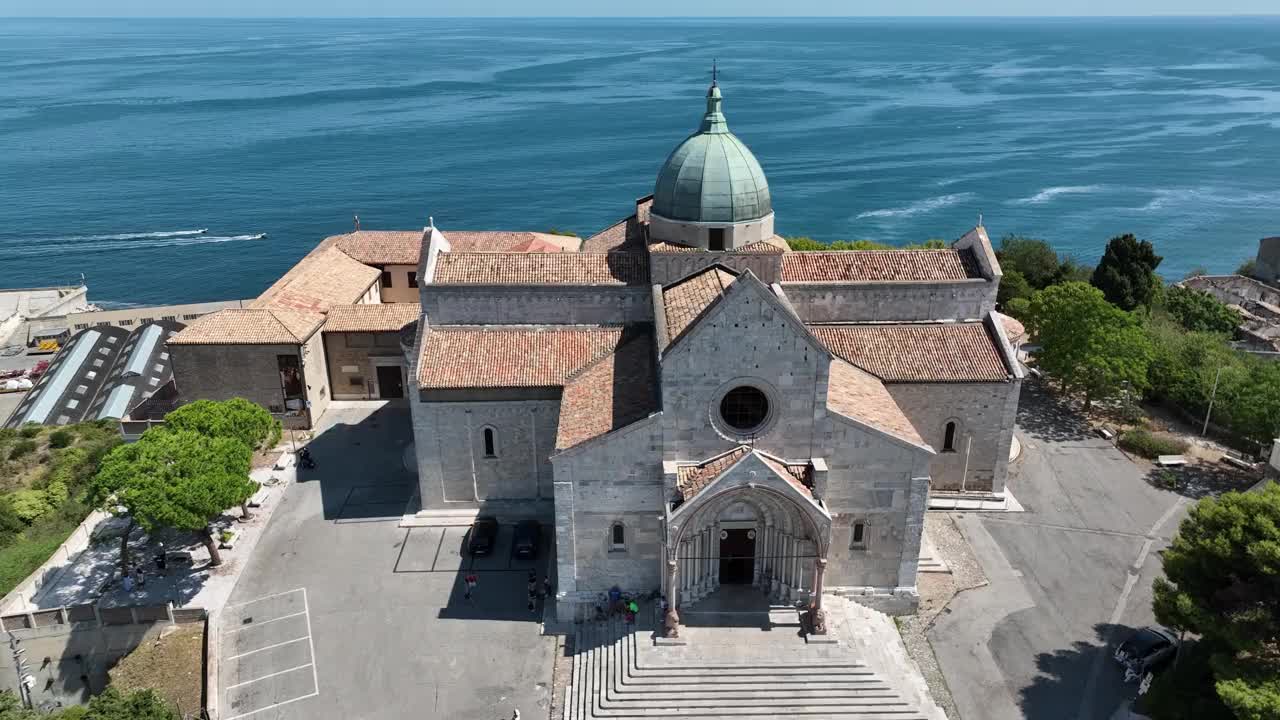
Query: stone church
{"points": [[693, 405]]}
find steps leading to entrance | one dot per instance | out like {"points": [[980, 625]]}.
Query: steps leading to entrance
{"points": [[612, 678]]}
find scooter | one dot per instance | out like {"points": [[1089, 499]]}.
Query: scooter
{"points": [[305, 460]]}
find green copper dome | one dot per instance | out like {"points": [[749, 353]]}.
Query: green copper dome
{"points": [[712, 177]]}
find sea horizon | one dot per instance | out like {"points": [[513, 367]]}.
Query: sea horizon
{"points": [[126, 136]]}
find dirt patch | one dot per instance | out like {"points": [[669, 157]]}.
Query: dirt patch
{"points": [[936, 590], [169, 660]]}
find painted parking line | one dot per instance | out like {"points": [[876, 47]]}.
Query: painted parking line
{"points": [[267, 654]]}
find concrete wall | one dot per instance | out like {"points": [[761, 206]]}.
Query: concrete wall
{"points": [[349, 358], [666, 268], [867, 302], [698, 234], [504, 305], [221, 372], [399, 291], [315, 375], [1268, 261], [615, 479], [453, 471], [983, 412], [713, 357]]}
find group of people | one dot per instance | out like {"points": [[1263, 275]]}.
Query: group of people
{"points": [[471, 581], [138, 578]]}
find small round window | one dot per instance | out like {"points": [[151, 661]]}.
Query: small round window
{"points": [[744, 408]]}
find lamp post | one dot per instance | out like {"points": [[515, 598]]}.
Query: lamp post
{"points": [[1212, 396]]}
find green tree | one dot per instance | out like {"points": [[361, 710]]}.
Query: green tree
{"points": [[136, 705], [1032, 258], [1199, 311], [1222, 582], [175, 479], [237, 418], [1247, 268], [1013, 285], [1087, 344], [1126, 273]]}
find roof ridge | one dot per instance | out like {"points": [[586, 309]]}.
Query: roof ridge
{"points": [[590, 364]]}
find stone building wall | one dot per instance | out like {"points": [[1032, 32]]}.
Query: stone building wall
{"points": [[351, 373], [984, 412], [882, 483], [614, 479], [453, 470], [875, 302], [399, 290], [221, 372], [666, 268], [315, 376], [747, 339], [527, 305]]}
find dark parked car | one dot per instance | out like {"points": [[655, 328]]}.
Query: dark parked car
{"points": [[483, 536], [1146, 651], [524, 543]]}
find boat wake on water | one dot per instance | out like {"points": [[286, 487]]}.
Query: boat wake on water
{"points": [[128, 236], [133, 241]]}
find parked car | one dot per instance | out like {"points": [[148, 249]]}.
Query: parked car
{"points": [[483, 536], [524, 543], [1146, 651]]}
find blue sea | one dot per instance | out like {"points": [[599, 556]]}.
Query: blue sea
{"points": [[116, 136]]}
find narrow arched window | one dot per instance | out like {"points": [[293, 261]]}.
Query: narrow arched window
{"points": [[619, 536], [949, 439], [490, 443]]}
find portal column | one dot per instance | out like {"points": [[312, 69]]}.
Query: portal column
{"points": [[672, 620], [817, 618]]}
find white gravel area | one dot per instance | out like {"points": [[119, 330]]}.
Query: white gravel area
{"points": [[936, 590]]}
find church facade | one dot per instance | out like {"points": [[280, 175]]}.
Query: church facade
{"points": [[692, 404]]}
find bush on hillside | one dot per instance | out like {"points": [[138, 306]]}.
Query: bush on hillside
{"points": [[30, 505], [1151, 445], [10, 524], [22, 447], [30, 430], [61, 438]]}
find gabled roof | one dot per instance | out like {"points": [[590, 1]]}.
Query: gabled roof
{"points": [[610, 393], [685, 300], [513, 356], [371, 317], [693, 479], [250, 326], [918, 352], [569, 268], [404, 247], [326, 276], [860, 396], [509, 241], [382, 247], [879, 266]]}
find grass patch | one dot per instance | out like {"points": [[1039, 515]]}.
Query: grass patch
{"points": [[30, 549], [170, 663], [1151, 445]]}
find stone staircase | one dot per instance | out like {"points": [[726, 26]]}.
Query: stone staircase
{"points": [[617, 672]]}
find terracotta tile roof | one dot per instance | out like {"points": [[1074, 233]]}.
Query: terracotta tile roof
{"points": [[626, 234], [382, 247], [612, 392], [325, 277], [685, 300], [662, 246], [772, 246], [485, 357], [878, 266], [690, 479], [371, 317], [475, 268], [918, 352], [249, 326], [859, 395], [1014, 330], [795, 473], [508, 241]]}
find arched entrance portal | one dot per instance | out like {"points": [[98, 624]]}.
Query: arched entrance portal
{"points": [[747, 535]]}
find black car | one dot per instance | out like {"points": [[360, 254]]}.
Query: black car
{"points": [[483, 536], [1146, 651], [524, 543]]}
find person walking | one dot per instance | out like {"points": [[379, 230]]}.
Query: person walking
{"points": [[471, 581], [546, 585]]}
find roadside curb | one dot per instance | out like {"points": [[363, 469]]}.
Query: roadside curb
{"points": [[212, 647]]}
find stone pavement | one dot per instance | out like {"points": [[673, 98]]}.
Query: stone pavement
{"points": [[747, 670], [92, 575]]}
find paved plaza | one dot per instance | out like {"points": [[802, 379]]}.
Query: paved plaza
{"points": [[388, 631], [1067, 578]]}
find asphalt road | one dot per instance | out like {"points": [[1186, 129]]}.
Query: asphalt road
{"points": [[350, 616], [1068, 578]]}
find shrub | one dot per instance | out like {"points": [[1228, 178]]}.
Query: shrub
{"points": [[22, 447], [55, 493], [29, 505], [30, 430], [1151, 445], [61, 438], [10, 524]]}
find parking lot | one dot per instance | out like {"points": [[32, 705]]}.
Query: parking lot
{"points": [[390, 632], [265, 654]]}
